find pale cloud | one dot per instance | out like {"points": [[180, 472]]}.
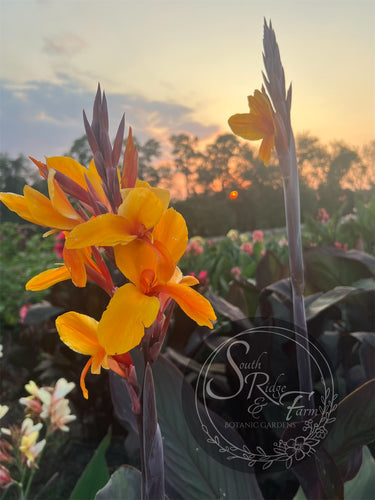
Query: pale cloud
{"points": [[41, 118], [64, 44]]}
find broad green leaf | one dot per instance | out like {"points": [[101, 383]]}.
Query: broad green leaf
{"points": [[354, 425], [190, 472], [95, 475], [125, 483], [326, 268], [366, 351], [328, 299], [362, 487], [269, 270]]}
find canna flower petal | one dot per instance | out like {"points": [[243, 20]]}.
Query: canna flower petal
{"points": [[59, 199], [43, 211], [17, 203], [48, 278], [141, 207], [134, 260], [103, 230], [172, 232], [123, 322], [191, 302], [247, 126], [139, 212], [69, 167], [74, 261], [266, 147], [79, 333], [258, 124]]}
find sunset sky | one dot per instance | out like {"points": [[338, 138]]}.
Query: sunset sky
{"points": [[180, 66]]}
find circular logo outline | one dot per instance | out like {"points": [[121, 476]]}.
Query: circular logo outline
{"points": [[291, 450]]}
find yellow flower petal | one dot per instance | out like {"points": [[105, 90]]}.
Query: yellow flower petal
{"points": [[191, 302], [48, 278], [94, 178], [123, 322], [141, 207], [59, 199], [258, 124], [133, 259], [69, 167], [79, 332], [74, 261], [103, 230], [172, 232], [258, 104], [247, 126], [266, 148], [43, 211], [17, 203]]}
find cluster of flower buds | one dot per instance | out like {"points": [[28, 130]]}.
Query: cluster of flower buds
{"points": [[111, 216], [49, 404], [47, 409]]}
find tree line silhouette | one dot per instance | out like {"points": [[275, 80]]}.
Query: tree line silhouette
{"points": [[201, 177]]}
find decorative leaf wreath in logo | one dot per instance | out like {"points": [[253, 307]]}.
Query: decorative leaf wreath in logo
{"points": [[289, 451]]}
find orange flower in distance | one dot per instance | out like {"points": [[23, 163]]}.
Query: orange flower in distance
{"points": [[258, 124], [233, 195]]}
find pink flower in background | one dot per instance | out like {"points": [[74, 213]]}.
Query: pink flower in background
{"points": [[23, 312], [203, 278], [194, 248], [258, 236], [283, 243], [59, 244], [262, 253], [323, 215], [5, 478], [341, 246], [235, 271], [247, 248]]}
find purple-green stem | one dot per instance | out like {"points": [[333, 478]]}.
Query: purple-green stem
{"points": [[293, 227]]}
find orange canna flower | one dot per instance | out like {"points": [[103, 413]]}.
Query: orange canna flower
{"points": [[141, 209], [80, 333], [155, 280], [258, 124], [79, 267]]}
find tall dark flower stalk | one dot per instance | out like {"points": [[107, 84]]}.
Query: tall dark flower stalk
{"points": [[274, 80], [269, 120]]}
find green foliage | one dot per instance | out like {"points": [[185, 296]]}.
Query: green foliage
{"points": [[95, 475], [23, 254], [353, 229], [124, 481]]}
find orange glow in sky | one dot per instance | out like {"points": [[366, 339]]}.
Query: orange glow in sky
{"points": [[179, 66]]}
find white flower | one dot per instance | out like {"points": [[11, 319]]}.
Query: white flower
{"points": [[29, 446], [3, 410]]}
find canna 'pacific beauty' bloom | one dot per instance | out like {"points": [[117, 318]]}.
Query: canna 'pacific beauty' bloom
{"points": [[154, 282], [141, 209], [258, 124], [80, 333]]}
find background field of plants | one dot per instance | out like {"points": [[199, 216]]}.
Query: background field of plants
{"points": [[238, 250]]}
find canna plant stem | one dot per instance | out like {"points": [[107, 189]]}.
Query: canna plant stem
{"points": [[274, 80], [293, 226]]}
